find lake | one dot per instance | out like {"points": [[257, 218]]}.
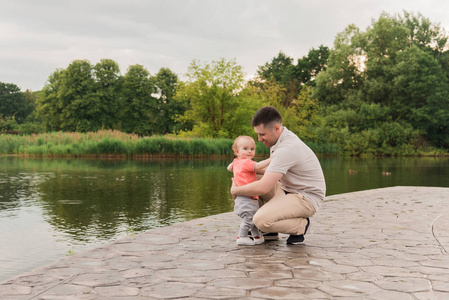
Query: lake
{"points": [[51, 208]]}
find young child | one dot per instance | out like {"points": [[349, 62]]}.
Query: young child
{"points": [[244, 169]]}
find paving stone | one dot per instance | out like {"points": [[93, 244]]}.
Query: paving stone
{"points": [[390, 245], [14, 290], [67, 290], [117, 291], [97, 279], [212, 292], [441, 286], [242, 283], [171, 290], [351, 286], [289, 293], [405, 284], [390, 295], [298, 283]]}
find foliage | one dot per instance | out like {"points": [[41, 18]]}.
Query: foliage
{"points": [[8, 123], [382, 91], [85, 98], [138, 105], [212, 91], [386, 87], [14, 103]]}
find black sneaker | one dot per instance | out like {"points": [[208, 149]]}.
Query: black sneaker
{"points": [[270, 236], [294, 239]]}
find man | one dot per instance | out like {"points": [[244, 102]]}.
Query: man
{"points": [[293, 185]]}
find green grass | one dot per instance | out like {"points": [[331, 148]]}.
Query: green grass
{"points": [[116, 143]]}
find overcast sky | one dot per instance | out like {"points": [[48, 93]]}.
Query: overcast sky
{"points": [[37, 37]]}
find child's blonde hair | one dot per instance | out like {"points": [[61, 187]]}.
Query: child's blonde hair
{"points": [[236, 142]]}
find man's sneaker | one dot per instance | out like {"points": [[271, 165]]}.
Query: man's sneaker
{"points": [[245, 241], [270, 236], [259, 240], [294, 239]]}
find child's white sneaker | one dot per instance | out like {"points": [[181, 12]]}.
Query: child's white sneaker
{"points": [[245, 241], [259, 240]]}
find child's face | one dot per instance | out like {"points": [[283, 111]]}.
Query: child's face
{"points": [[246, 148]]}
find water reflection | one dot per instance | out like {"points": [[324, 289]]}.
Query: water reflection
{"points": [[50, 206]]}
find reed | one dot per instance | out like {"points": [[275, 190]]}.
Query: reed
{"points": [[116, 143], [111, 142]]}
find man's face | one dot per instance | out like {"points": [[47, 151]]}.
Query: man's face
{"points": [[268, 135]]}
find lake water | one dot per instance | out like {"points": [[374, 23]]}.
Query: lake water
{"points": [[51, 208]]}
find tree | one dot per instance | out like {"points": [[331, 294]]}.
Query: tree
{"points": [[137, 104], [50, 108], [398, 63], [14, 103], [281, 70], [308, 67], [108, 89], [168, 107], [211, 92], [78, 98]]}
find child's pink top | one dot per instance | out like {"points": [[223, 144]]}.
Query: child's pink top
{"points": [[244, 171]]}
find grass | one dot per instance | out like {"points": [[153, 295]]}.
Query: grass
{"points": [[116, 143]]}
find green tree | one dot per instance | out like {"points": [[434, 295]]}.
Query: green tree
{"points": [[108, 81], [167, 106], [211, 92], [308, 67], [14, 103], [49, 106], [138, 106], [78, 98], [399, 63]]}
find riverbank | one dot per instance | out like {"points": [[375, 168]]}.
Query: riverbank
{"points": [[376, 244]]}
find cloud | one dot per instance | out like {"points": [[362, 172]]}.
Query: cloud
{"points": [[37, 37]]}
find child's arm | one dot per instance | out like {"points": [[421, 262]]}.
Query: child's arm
{"points": [[230, 168], [261, 165]]}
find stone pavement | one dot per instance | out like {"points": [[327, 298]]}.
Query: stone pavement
{"points": [[389, 243]]}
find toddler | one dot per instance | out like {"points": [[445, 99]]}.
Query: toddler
{"points": [[244, 169]]}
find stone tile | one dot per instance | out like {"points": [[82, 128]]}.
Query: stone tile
{"points": [[171, 290], [390, 295], [183, 275], [405, 284], [431, 295], [362, 276], [97, 279], [317, 274], [298, 283], [351, 286], [213, 292], [117, 291], [242, 283], [289, 293], [271, 274], [199, 265], [67, 290], [391, 271], [383, 249], [440, 286], [14, 290]]}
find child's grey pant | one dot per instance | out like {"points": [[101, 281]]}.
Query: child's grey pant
{"points": [[245, 208]]}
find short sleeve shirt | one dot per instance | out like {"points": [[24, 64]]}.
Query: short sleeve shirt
{"points": [[244, 171], [300, 166]]}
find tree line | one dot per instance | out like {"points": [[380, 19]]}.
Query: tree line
{"points": [[382, 91]]}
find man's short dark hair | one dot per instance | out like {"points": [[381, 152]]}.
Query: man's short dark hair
{"points": [[266, 115]]}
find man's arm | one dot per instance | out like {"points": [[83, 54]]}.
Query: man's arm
{"points": [[256, 188]]}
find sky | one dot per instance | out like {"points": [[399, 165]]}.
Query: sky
{"points": [[38, 37]]}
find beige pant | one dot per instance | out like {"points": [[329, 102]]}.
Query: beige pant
{"points": [[284, 213]]}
